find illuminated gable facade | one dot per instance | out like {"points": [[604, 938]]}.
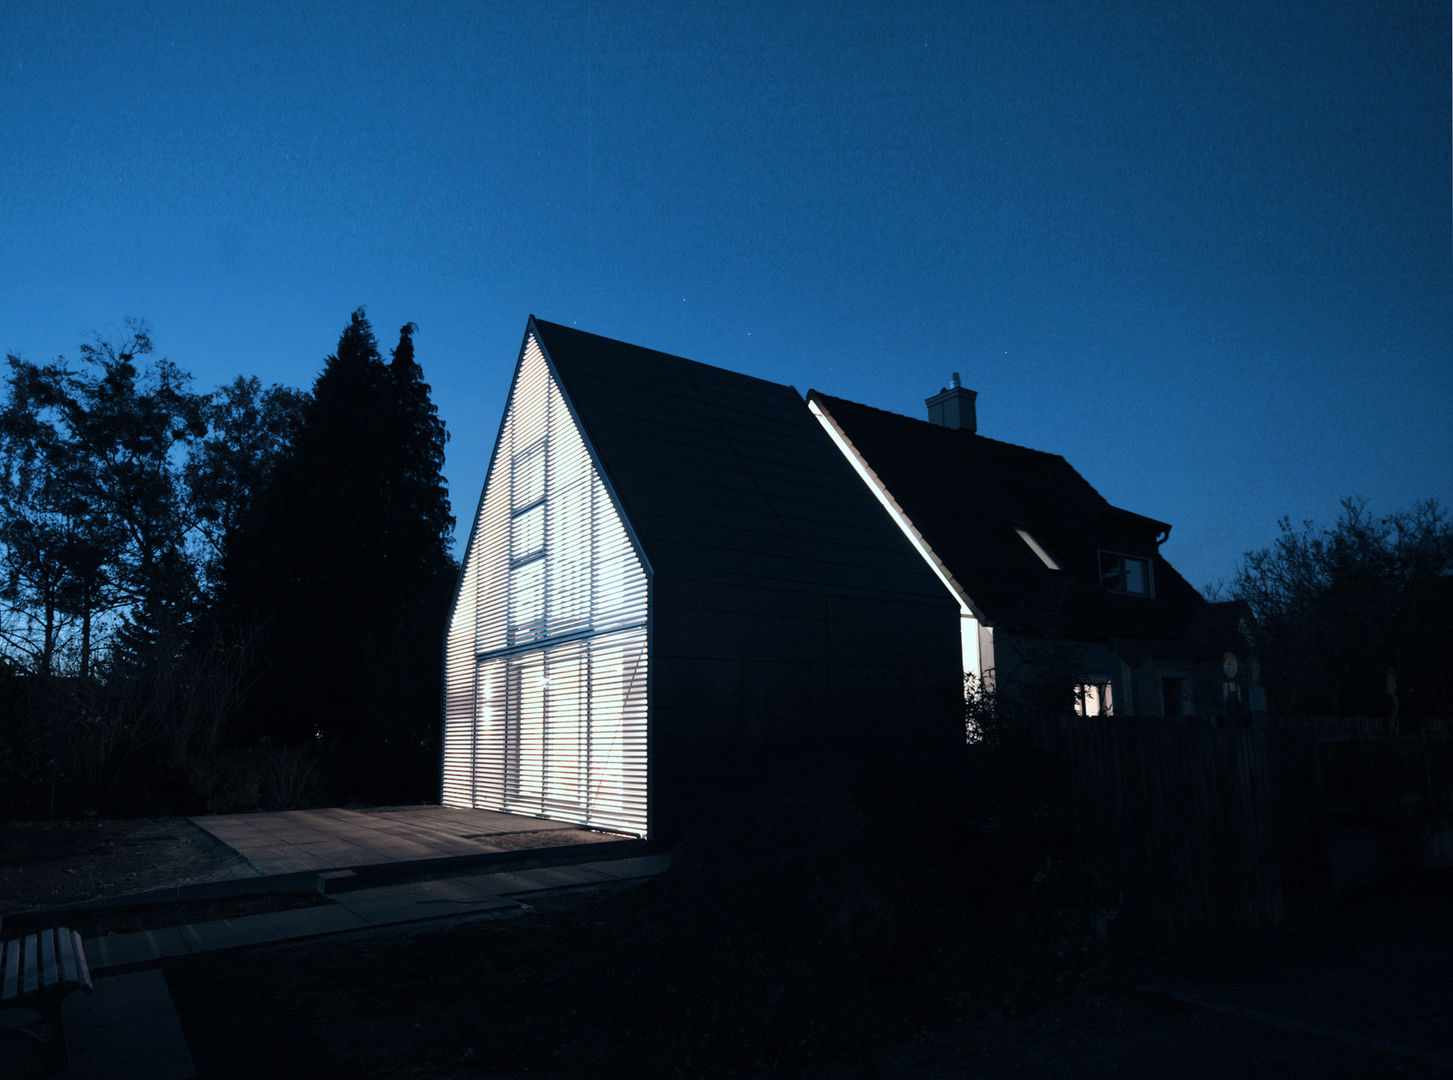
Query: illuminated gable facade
{"points": [[546, 659], [674, 577]]}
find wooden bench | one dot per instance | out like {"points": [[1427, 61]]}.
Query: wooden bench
{"points": [[37, 972]]}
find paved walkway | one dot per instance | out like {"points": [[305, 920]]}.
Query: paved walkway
{"points": [[362, 909], [128, 1027], [299, 840]]}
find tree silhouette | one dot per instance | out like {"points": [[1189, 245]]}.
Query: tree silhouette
{"points": [[250, 429], [339, 564], [95, 517], [1338, 610]]}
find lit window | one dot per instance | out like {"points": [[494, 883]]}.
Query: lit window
{"points": [[527, 534], [527, 544], [1035, 546], [527, 603], [527, 476], [1125, 574], [1093, 699]]}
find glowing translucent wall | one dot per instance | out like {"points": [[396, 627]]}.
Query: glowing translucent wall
{"points": [[545, 672]]}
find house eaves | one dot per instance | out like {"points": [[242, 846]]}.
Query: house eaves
{"points": [[534, 330], [860, 465], [725, 477]]}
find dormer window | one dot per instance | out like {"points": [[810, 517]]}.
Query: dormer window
{"points": [[1125, 574], [1038, 548]]}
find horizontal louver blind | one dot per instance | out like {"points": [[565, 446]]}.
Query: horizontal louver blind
{"points": [[557, 670], [459, 652]]}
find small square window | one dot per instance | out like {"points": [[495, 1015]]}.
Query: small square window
{"points": [[527, 603], [1125, 574], [527, 534], [527, 477]]}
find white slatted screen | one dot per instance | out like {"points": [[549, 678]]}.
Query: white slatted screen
{"points": [[545, 670]]}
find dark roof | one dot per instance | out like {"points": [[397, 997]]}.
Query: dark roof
{"points": [[966, 494], [727, 476]]}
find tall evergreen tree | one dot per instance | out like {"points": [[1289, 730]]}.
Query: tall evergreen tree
{"points": [[420, 567], [339, 562], [423, 523]]}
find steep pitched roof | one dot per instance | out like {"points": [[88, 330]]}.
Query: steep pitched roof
{"points": [[967, 494], [722, 475]]}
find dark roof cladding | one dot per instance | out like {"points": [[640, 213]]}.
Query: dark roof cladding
{"points": [[725, 476], [967, 494]]}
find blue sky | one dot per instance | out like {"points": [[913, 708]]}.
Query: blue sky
{"points": [[1203, 250]]}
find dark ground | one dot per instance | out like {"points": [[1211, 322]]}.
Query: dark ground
{"points": [[598, 986], [45, 863], [850, 948]]}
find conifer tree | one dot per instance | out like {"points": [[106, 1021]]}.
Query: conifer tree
{"points": [[420, 500], [339, 565]]}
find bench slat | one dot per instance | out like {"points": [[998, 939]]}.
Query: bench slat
{"points": [[11, 987], [52, 962], [71, 959], [32, 968], [65, 956], [83, 970], [49, 976]]}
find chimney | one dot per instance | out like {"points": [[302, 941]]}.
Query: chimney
{"points": [[953, 407]]}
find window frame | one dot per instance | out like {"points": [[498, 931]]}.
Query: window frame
{"points": [[1122, 560], [1104, 696]]}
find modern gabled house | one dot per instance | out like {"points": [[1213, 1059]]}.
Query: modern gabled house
{"points": [[1053, 584], [673, 574]]}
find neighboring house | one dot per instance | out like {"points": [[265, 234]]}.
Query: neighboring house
{"points": [[672, 573], [1058, 591]]}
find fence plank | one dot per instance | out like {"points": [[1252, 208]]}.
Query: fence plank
{"points": [[1192, 824]]}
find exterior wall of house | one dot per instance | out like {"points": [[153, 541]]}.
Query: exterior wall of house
{"points": [[546, 654], [1168, 681], [751, 673], [747, 668], [1028, 671]]}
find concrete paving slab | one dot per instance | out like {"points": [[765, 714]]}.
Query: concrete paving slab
{"points": [[126, 1030], [338, 854], [526, 881], [466, 888], [313, 922], [564, 877], [405, 904], [399, 849], [116, 950], [334, 838], [228, 933], [625, 869], [140, 947]]}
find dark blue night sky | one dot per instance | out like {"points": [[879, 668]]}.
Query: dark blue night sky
{"points": [[1200, 249]]}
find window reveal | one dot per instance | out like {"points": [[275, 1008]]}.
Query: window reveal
{"points": [[1093, 699], [1125, 574]]}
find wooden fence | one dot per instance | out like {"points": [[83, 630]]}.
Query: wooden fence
{"points": [[1207, 831]]}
